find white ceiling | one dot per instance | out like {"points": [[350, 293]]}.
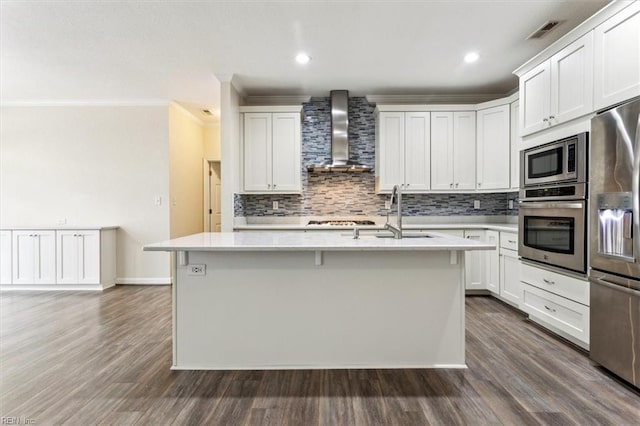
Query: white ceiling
{"points": [[147, 51]]}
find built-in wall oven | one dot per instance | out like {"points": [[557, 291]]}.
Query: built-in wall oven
{"points": [[553, 204]]}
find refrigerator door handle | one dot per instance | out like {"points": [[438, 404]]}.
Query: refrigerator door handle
{"points": [[635, 185]]}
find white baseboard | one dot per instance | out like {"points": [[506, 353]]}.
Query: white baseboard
{"points": [[51, 287], [144, 281]]}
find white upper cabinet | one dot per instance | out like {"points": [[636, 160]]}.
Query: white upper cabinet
{"points": [[403, 151], [271, 151], [516, 145], [453, 150], [617, 58], [494, 140], [559, 89]]}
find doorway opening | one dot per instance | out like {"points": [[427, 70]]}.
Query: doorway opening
{"points": [[212, 195]]}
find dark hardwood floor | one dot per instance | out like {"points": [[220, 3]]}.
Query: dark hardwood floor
{"points": [[79, 358]]}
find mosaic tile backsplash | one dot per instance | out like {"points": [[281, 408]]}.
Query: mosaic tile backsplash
{"points": [[353, 194]]}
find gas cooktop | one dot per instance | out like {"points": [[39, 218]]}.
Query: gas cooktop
{"points": [[341, 222]]}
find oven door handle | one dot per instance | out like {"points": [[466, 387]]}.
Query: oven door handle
{"points": [[525, 205]]}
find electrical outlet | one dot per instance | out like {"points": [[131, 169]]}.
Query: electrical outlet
{"points": [[510, 204], [476, 204], [387, 205], [62, 221], [196, 269], [276, 205], [158, 200]]}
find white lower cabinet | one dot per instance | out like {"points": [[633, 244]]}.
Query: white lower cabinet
{"points": [[510, 285], [57, 258], [5, 257], [557, 301], [474, 266], [78, 258], [492, 263], [34, 257]]}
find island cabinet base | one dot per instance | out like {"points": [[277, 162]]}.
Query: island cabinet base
{"points": [[356, 309]]}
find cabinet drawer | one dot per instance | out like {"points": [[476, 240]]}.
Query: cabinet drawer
{"points": [[565, 315], [562, 285], [509, 240]]}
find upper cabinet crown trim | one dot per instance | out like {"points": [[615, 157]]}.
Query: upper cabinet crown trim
{"points": [[272, 108], [598, 18]]}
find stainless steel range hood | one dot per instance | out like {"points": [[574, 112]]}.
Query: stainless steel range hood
{"points": [[339, 138]]}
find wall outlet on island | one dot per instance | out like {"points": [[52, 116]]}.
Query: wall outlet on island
{"points": [[276, 205], [196, 269], [62, 221], [476, 204]]}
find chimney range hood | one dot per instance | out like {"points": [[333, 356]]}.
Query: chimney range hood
{"points": [[339, 138]]}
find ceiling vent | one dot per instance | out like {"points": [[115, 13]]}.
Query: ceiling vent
{"points": [[543, 30]]}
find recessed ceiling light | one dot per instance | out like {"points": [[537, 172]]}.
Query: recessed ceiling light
{"points": [[471, 57], [303, 58]]}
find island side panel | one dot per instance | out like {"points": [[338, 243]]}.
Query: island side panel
{"points": [[359, 309]]}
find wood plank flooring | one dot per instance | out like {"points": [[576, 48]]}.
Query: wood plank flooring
{"points": [[79, 358]]}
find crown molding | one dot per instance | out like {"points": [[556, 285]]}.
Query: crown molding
{"points": [[277, 100], [433, 99], [84, 102]]}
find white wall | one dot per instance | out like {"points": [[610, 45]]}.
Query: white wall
{"points": [[230, 101], [94, 166], [186, 151]]}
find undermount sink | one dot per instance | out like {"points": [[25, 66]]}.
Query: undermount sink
{"points": [[405, 236], [389, 235]]}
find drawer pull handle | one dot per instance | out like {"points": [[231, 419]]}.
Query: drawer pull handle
{"points": [[548, 281], [512, 241], [549, 309]]}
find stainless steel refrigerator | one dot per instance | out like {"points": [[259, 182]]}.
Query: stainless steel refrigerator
{"points": [[614, 236]]}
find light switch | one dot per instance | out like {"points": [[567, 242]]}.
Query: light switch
{"points": [[158, 200]]}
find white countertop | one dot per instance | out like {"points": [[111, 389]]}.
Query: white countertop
{"points": [[57, 228], [312, 241]]}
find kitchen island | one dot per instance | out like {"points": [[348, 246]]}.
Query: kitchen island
{"points": [[286, 300]]}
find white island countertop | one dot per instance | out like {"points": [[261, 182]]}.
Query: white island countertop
{"points": [[311, 241]]}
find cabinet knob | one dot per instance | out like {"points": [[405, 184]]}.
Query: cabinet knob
{"points": [[551, 117], [545, 119], [274, 185], [457, 183], [549, 309], [408, 185], [268, 185], [479, 183], [451, 185]]}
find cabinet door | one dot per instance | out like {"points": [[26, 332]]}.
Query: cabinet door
{"points": [[535, 89], [516, 143], [34, 257], [5, 257], [257, 152], [464, 150], [493, 148], [572, 81], [391, 150], [474, 263], [417, 151], [511, 287], [442, 150], [617, 58], [493, 263], [286, 158], [67, 257], [24, 256], [88, 257]]}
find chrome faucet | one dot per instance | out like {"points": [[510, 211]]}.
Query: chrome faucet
{"points": [[396, 195]]}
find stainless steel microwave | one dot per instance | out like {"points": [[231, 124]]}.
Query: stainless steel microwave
{"points": [[561, 161]]}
